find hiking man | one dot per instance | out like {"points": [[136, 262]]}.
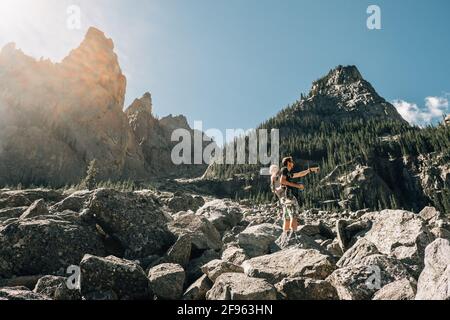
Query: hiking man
{"points": [[288, 200]]}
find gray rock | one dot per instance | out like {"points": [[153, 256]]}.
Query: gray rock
{"points": [[224, 215], [46, 245], [193, 270], [391, 268], [125, 279], [11, 213], [297, 240], [74, 202], [215, 268], [317, 228], [184, 202], [404, 289], [135, 220], [198, 290], [441, 233], [360, 250], [180, 252], [234, 255], [290, 263], [167, 281], [342, 238], [403, 235], [256, 240], [306, 289], [334, 248], [56, 289], [351, 282], [310, 229], [430, 215], [31, 195], [237, 286], [13, 200], [362, 281], [203, 234], [435, 278], [21, 294], [37, 208]]}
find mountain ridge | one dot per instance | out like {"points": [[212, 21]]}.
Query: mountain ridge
{"points": [[379, 161], [59, 116]]}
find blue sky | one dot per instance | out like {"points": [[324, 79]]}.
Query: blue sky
{"points": [[235, 63]]}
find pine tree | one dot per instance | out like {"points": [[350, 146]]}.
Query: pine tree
{"points": [[90, 181]]}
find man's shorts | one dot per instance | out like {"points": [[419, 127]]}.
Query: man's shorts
{"points": [[290, 207]]}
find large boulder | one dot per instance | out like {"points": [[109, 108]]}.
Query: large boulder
{"points": [[56, 288], [404, 289], [122, 278], [361, 281], [430, 215], [46, 245], [198, 290], [434, 281], [215, 268], [237, 286], [13, 200], [194, 267], [441, 233], [350, 282], [11, 213], [234, 255], [37, 208], [75, 202], [296, 240], [21, 294], [306, 289], [290, 263], [257, 240], [360, 250], [223, 214], [184, 202], [403, 235], [167, 281], [135, 220], [19, 198], [202, 232], [180, 252]]}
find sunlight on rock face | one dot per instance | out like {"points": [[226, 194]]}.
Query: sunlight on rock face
{"points": [[76, 104]]}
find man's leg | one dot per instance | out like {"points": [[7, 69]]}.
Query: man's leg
{"points": [[294, 214]]}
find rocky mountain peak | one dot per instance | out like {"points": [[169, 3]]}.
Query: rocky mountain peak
{"points": [[97, 36], [144, 104], [342, 75], [175, 122], [95, 64], [339, 80], [344, 89], [9, 48]]}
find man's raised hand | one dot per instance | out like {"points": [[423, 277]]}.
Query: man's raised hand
{"points": [[315, 170]]}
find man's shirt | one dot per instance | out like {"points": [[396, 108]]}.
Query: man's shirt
{"points": [[289, 177]]}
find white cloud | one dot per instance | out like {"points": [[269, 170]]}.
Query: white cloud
{"points": [[433, 111]]}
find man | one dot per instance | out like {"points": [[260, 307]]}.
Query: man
{"points": [[289, 201]]}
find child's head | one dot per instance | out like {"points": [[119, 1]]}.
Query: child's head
{"points": [[274, 169]]}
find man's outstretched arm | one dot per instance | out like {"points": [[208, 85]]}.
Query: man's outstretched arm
{"points": [[306, 172], [286, 183]]}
